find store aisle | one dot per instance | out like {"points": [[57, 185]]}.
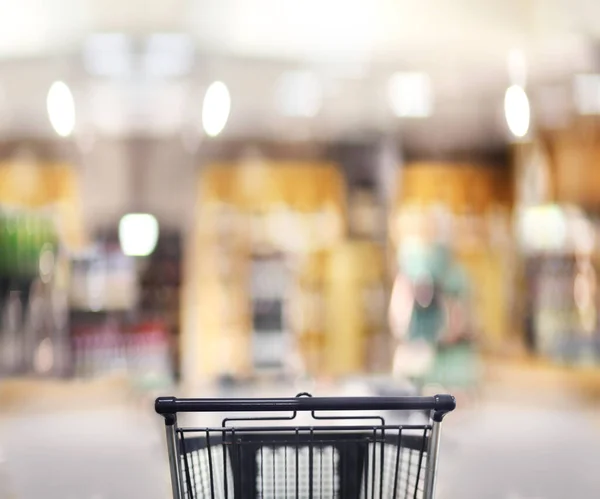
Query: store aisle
{"points": [[501, 452]]}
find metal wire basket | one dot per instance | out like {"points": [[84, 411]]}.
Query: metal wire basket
{"points": [[269, 457]]}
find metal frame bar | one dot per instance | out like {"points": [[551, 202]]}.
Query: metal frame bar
{"points": [[441, 404], [174, 465], [432, 460]]}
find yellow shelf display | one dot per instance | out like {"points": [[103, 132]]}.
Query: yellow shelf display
{"points": [[289, 208]]}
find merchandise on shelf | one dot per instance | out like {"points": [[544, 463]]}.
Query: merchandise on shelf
{"points": [[104, 280], [270, 281], [32, 312], [112, 345], [560, 270], [125, 313], [149, 355], [99, 349]]}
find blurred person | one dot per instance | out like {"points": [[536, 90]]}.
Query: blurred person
{"points": [[430, 321]]}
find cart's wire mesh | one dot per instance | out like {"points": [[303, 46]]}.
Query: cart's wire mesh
{"points": [[316, 462], [277, 468]]}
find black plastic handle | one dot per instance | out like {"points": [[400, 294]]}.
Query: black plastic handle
{"points": [[439, 404]]}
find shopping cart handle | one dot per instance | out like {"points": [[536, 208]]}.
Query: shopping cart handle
{"points": [[440, 405]]}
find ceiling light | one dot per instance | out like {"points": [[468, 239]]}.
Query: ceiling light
{"points": [[215, 108], [61, 109], [138, 234], [516, 110], [410, 95]]}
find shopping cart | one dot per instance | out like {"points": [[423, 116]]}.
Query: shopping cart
{"points": [[341, 454]]}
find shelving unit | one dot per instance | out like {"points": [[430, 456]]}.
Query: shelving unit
{"points": [[125, 313], [33, 317], [160, 291], [295, 211]]}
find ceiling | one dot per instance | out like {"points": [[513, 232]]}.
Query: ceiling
{"points": [[379, 29], [352, 46]]}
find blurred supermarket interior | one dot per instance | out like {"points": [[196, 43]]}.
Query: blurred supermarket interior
{"points": [[263, 196]]}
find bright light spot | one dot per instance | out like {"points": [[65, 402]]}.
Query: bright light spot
{"points": [[516, 110], [215, 109], [543, 228], [410, 95], [586, 88], [299, 94], [138, 234], [61, 109]]}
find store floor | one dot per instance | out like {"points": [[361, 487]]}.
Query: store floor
{"points": [[497, 450], [99, 454]]}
